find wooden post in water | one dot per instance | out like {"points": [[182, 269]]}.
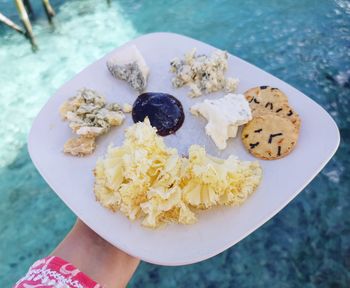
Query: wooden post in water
{"points": [[50, 13], [28, 7], [12, 25], [26, 22]]}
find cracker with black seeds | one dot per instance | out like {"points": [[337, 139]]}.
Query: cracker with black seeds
{"points": [[270, 136], [265, 97], [282, 110]]}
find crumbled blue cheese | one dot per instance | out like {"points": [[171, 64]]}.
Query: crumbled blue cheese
{"points": [[129, 65], [89, 116], [231, 84], [202, 74], [224, 115]]}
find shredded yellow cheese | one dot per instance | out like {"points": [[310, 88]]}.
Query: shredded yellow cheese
{"points": [[145, 179]]}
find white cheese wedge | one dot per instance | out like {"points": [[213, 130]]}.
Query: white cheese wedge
{"points": [[224, 115], [129, 65]]}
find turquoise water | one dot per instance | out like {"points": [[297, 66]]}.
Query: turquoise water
{"points": [[305, 43]]}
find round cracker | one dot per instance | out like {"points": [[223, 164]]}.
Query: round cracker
{"points": [[265, 97], [282, 110], [269, 136]]}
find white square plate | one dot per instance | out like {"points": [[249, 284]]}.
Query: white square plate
{"points": [[217, 229]]}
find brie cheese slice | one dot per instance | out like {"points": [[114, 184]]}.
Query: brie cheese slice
{"points": [[224, 115]]}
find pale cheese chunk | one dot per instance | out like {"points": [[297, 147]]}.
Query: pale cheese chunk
{"points": [[127, 108], [80, 146], [224, 115]]}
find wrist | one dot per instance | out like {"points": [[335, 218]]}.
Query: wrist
{"points": [[95, 257]]}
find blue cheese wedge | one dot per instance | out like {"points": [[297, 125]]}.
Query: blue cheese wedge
{"points": [[89, 115], [224, 116], [129, 65], [202, 73]]}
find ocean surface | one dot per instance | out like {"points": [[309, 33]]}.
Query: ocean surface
{"points": [[305, 43]]}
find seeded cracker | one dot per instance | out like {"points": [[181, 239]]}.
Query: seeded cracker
{"points": [[265, 97], [269, 136], [282, 110]]}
